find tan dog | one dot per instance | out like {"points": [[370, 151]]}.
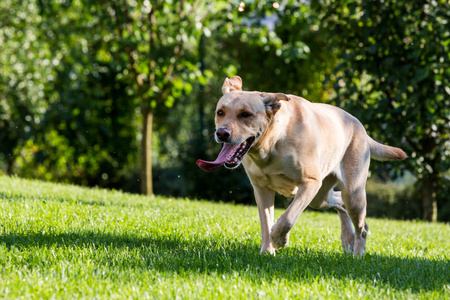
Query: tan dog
{"points": [[301, 150]]}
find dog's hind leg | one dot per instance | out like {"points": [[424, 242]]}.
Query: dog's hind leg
{"points": [[356, 167], [328, 198], [355, 203], [347, 232]]}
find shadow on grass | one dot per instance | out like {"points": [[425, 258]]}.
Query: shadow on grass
{"points": [[169, 254]]}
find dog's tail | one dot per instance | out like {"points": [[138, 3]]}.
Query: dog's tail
{"points": [[383, 152]]}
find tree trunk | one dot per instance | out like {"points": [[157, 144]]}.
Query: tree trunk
{"points": [[146, 152], [429, 200]]}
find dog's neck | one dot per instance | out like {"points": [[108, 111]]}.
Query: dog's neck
{"points": [[266, 144]]}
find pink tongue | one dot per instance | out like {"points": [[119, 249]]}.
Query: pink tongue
{"points": [[227, 151]]}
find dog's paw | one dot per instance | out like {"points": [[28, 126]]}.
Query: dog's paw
{"points": [[279, 235], [279, 241], [268, 250], [348, 248], [347, 241]]}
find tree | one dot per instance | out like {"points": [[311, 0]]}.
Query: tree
{"points": [[160, 41], [395, 77]]}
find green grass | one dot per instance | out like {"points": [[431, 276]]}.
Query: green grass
{"points": [[61, 241]]}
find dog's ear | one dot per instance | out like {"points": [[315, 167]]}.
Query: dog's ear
{"points": [[232, 84], [272, 101]]}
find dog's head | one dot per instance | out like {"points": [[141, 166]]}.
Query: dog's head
{"points": [[241, 119]]}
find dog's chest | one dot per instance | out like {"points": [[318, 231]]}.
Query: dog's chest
{"points": [[272, 178]]}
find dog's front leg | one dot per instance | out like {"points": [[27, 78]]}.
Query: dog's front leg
{"points": [[279, 235], [265, 200]]}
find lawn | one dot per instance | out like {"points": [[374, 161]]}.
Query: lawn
{"points": [[62, 241]]}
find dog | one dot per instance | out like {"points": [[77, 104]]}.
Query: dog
{"points": [[300, 150]]}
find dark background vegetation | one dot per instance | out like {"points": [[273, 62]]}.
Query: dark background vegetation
{"points": [[115, 93]]}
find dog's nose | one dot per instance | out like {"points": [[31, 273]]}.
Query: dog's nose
{"points": [[223, 134]]}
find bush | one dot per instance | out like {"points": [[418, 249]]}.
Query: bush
{"points": [[401, 200]]}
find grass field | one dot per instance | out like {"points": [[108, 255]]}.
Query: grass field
{"points": [[61, 241]]}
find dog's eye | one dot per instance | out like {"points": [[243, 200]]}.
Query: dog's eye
{"points": [[220, 113], [245, 114]]}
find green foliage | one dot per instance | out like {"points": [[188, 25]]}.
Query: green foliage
{"points": [[59, 240], [278, 49], [25, 69], [394, 200], [395, 77], [73, 120], [396, 69]]}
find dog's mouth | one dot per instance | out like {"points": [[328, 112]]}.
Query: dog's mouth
{"points": [[230, 156]]}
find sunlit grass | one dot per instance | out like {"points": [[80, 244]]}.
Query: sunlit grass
{"points": [[62, 241]]}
